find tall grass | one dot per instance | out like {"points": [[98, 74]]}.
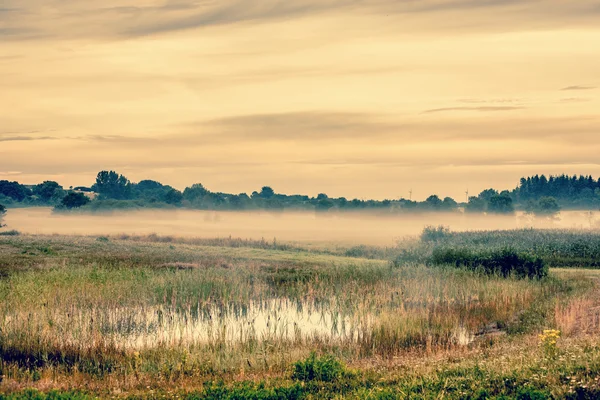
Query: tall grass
{"points": [[154, 313]]}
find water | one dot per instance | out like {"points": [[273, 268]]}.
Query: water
{"points": [[138, 328], [345, 228]]}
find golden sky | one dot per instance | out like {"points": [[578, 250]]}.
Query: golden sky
{"points": [[362, 99]]}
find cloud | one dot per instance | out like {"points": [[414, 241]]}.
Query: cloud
{"points": [[379, 129], [300, 125], [481, 109], [579, 88], [24, 138], [574, 100], [125, 19]]}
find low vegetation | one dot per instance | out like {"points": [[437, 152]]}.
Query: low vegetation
{"points": [[231, 318], [557, 248], [505, 262]]}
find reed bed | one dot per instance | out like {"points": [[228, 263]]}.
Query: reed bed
{"points": [[139, 312]]}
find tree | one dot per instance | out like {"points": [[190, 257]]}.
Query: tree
{"points": [[14, 190], [266, 192], [449, 203], [194, 192], [148, 184], [324, 204], [173, 196], [487, 194], [476, 205], [74, 200], [111, 185], [547, 206], [501, 204], [47, 190], [433, 201]]}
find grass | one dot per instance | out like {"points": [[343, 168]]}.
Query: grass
{"points": [[559, 248], [226, 318]]}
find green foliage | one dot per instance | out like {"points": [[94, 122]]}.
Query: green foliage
{"points": [[194, 192], [14, 190], [434, 234], [569, 191], [558, 248], [325, 369], [74, 200], [547, 206], [32, 394], [476, 205], [48, 190], [248, 391], [111, 185], [10, 233], [501, 204], [505, 262], [267, 192]]}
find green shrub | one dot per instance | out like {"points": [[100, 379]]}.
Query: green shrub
{"points": [[324, 369], [10, 233], [505, 262], [248, 390], [434, 234]]}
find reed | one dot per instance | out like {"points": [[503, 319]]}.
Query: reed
{"points": [[150, 312]]}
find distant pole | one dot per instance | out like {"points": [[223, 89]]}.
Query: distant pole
{"points": [[467, 193], [410, 195]]}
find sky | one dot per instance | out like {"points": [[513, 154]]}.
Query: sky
{"points": [[362, 99]]}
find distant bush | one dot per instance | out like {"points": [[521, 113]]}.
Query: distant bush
{"points": [[324, 369], [10, 233], [434, 233], [504, 262], [74, 200]]}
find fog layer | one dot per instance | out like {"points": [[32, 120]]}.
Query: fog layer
{"points": [[306, 227]]}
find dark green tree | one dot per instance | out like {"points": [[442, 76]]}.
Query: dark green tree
{"points": [[48, 190], [476, 205], [14, 190], [324, 204], [111, 185], [547, 206], [501, 204], [267, 192], [487, 194], [148, 185], [173, 196], [74, 200], [194, 192], [449, 203], [433, 202]]}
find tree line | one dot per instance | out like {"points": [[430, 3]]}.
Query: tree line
{"points": [[112, 190]]}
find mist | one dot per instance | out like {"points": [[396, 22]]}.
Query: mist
{"points": [[302, 227]]}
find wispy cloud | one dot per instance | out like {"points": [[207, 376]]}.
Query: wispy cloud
{"points": [[24, 138], [574, 100], [577, 87], [480, 109], [52, 18]]}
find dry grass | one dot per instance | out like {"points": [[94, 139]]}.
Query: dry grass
{"points": [[123, 315]]}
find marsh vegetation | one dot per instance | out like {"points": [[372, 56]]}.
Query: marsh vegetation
{"points": [[103, 315]]}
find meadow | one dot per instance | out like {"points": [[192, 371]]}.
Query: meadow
{"points": [[164, 317]]}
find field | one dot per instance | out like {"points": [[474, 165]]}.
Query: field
{"points": [[165, 317]]}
